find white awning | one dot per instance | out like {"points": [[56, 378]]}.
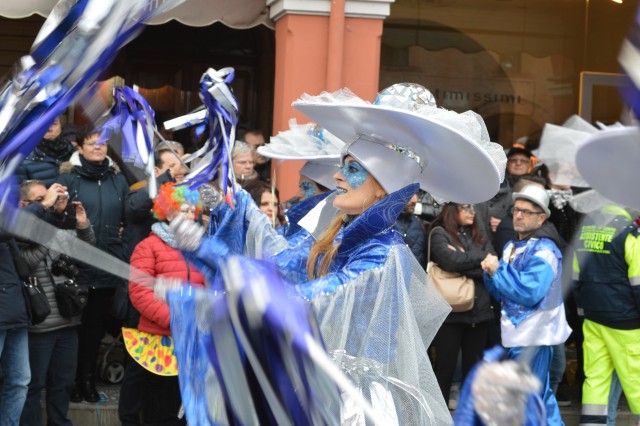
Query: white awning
{"points": [[195, 13]]}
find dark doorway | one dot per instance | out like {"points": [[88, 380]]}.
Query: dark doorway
{"points": [[167, 61]]}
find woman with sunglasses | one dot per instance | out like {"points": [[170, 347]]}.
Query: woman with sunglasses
{"points": [[375, 307], [457, 245]]}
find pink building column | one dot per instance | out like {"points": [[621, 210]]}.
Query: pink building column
{"points": [[322, 45]]}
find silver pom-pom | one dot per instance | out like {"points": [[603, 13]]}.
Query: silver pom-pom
{"points": [[210, 197], [409, 96], [188, 234], [501, 390]]}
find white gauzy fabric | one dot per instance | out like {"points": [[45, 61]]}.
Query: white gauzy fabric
{"points": [[558, 147], [262, 242], [342, 96], [472, 125], [589, 201], [303, 142], [404, 312]]}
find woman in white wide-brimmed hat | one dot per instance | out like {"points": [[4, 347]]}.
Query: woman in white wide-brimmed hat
{"points": [[376, 310], [321, 150]]}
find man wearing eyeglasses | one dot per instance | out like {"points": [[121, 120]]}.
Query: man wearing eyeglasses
{"points": [[520, 162], [527, 282]]}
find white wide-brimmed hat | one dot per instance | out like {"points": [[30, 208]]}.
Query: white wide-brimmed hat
{"points": [[303, 142], [558, 148], [321, 171], [310, 142], [608, 161], [441, 150], [535, 194]]}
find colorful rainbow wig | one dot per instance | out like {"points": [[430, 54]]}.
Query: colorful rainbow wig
{"points": [[171, 198]]}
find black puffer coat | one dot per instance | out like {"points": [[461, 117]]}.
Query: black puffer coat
{"points": [[13, 304], [39, 259], [103, 199], [13, 308], [467, 263]]}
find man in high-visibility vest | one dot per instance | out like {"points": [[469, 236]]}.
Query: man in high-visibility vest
{"points": [[607, 273]]}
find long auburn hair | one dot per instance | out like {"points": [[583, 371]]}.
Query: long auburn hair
{"points": [[324, 246], [447, 219]]}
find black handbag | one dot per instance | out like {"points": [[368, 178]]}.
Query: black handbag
{"points": [[71, 297], [37, 301]]}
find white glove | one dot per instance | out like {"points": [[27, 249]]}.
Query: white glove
{"points": [[163, 285], [188, 233]]}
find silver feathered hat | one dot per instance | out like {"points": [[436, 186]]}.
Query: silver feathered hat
{"points": [[404, 138]]}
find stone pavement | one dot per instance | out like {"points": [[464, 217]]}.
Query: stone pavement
{"points": [[105, 413]]}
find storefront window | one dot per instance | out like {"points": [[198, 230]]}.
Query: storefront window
{"points": [[515, 62]]}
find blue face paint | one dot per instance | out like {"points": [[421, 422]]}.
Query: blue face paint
{"points": [[308, 189], [355, 174]]}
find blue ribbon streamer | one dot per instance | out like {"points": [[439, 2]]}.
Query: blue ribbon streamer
{"points": [[221, 120], [129, 111], [27, 125], [56, 36]]}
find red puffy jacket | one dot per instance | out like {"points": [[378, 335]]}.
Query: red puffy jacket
{"points": [[154, 257]]}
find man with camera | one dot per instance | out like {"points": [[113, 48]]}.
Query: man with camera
{"points": [[53, 343]]}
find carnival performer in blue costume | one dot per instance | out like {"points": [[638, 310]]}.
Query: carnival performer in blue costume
{"points": [[376, 310], [527, 282]]}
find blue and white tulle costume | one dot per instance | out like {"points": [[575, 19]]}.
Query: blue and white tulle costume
{"points": [[376, 311]]}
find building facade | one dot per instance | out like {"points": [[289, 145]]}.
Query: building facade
{"points": [[518, 63]]}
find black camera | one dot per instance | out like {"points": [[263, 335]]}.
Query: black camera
{"points": [[64, 265]]}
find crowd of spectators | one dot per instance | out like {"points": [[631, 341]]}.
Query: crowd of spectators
{"points": [[63, 180]]}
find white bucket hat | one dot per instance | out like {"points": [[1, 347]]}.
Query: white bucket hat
{"points": [[536, 195], [608, 161], [439, 149]]}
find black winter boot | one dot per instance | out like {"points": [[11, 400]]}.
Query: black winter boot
{"points": [[89, 390], [76, 392]]}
